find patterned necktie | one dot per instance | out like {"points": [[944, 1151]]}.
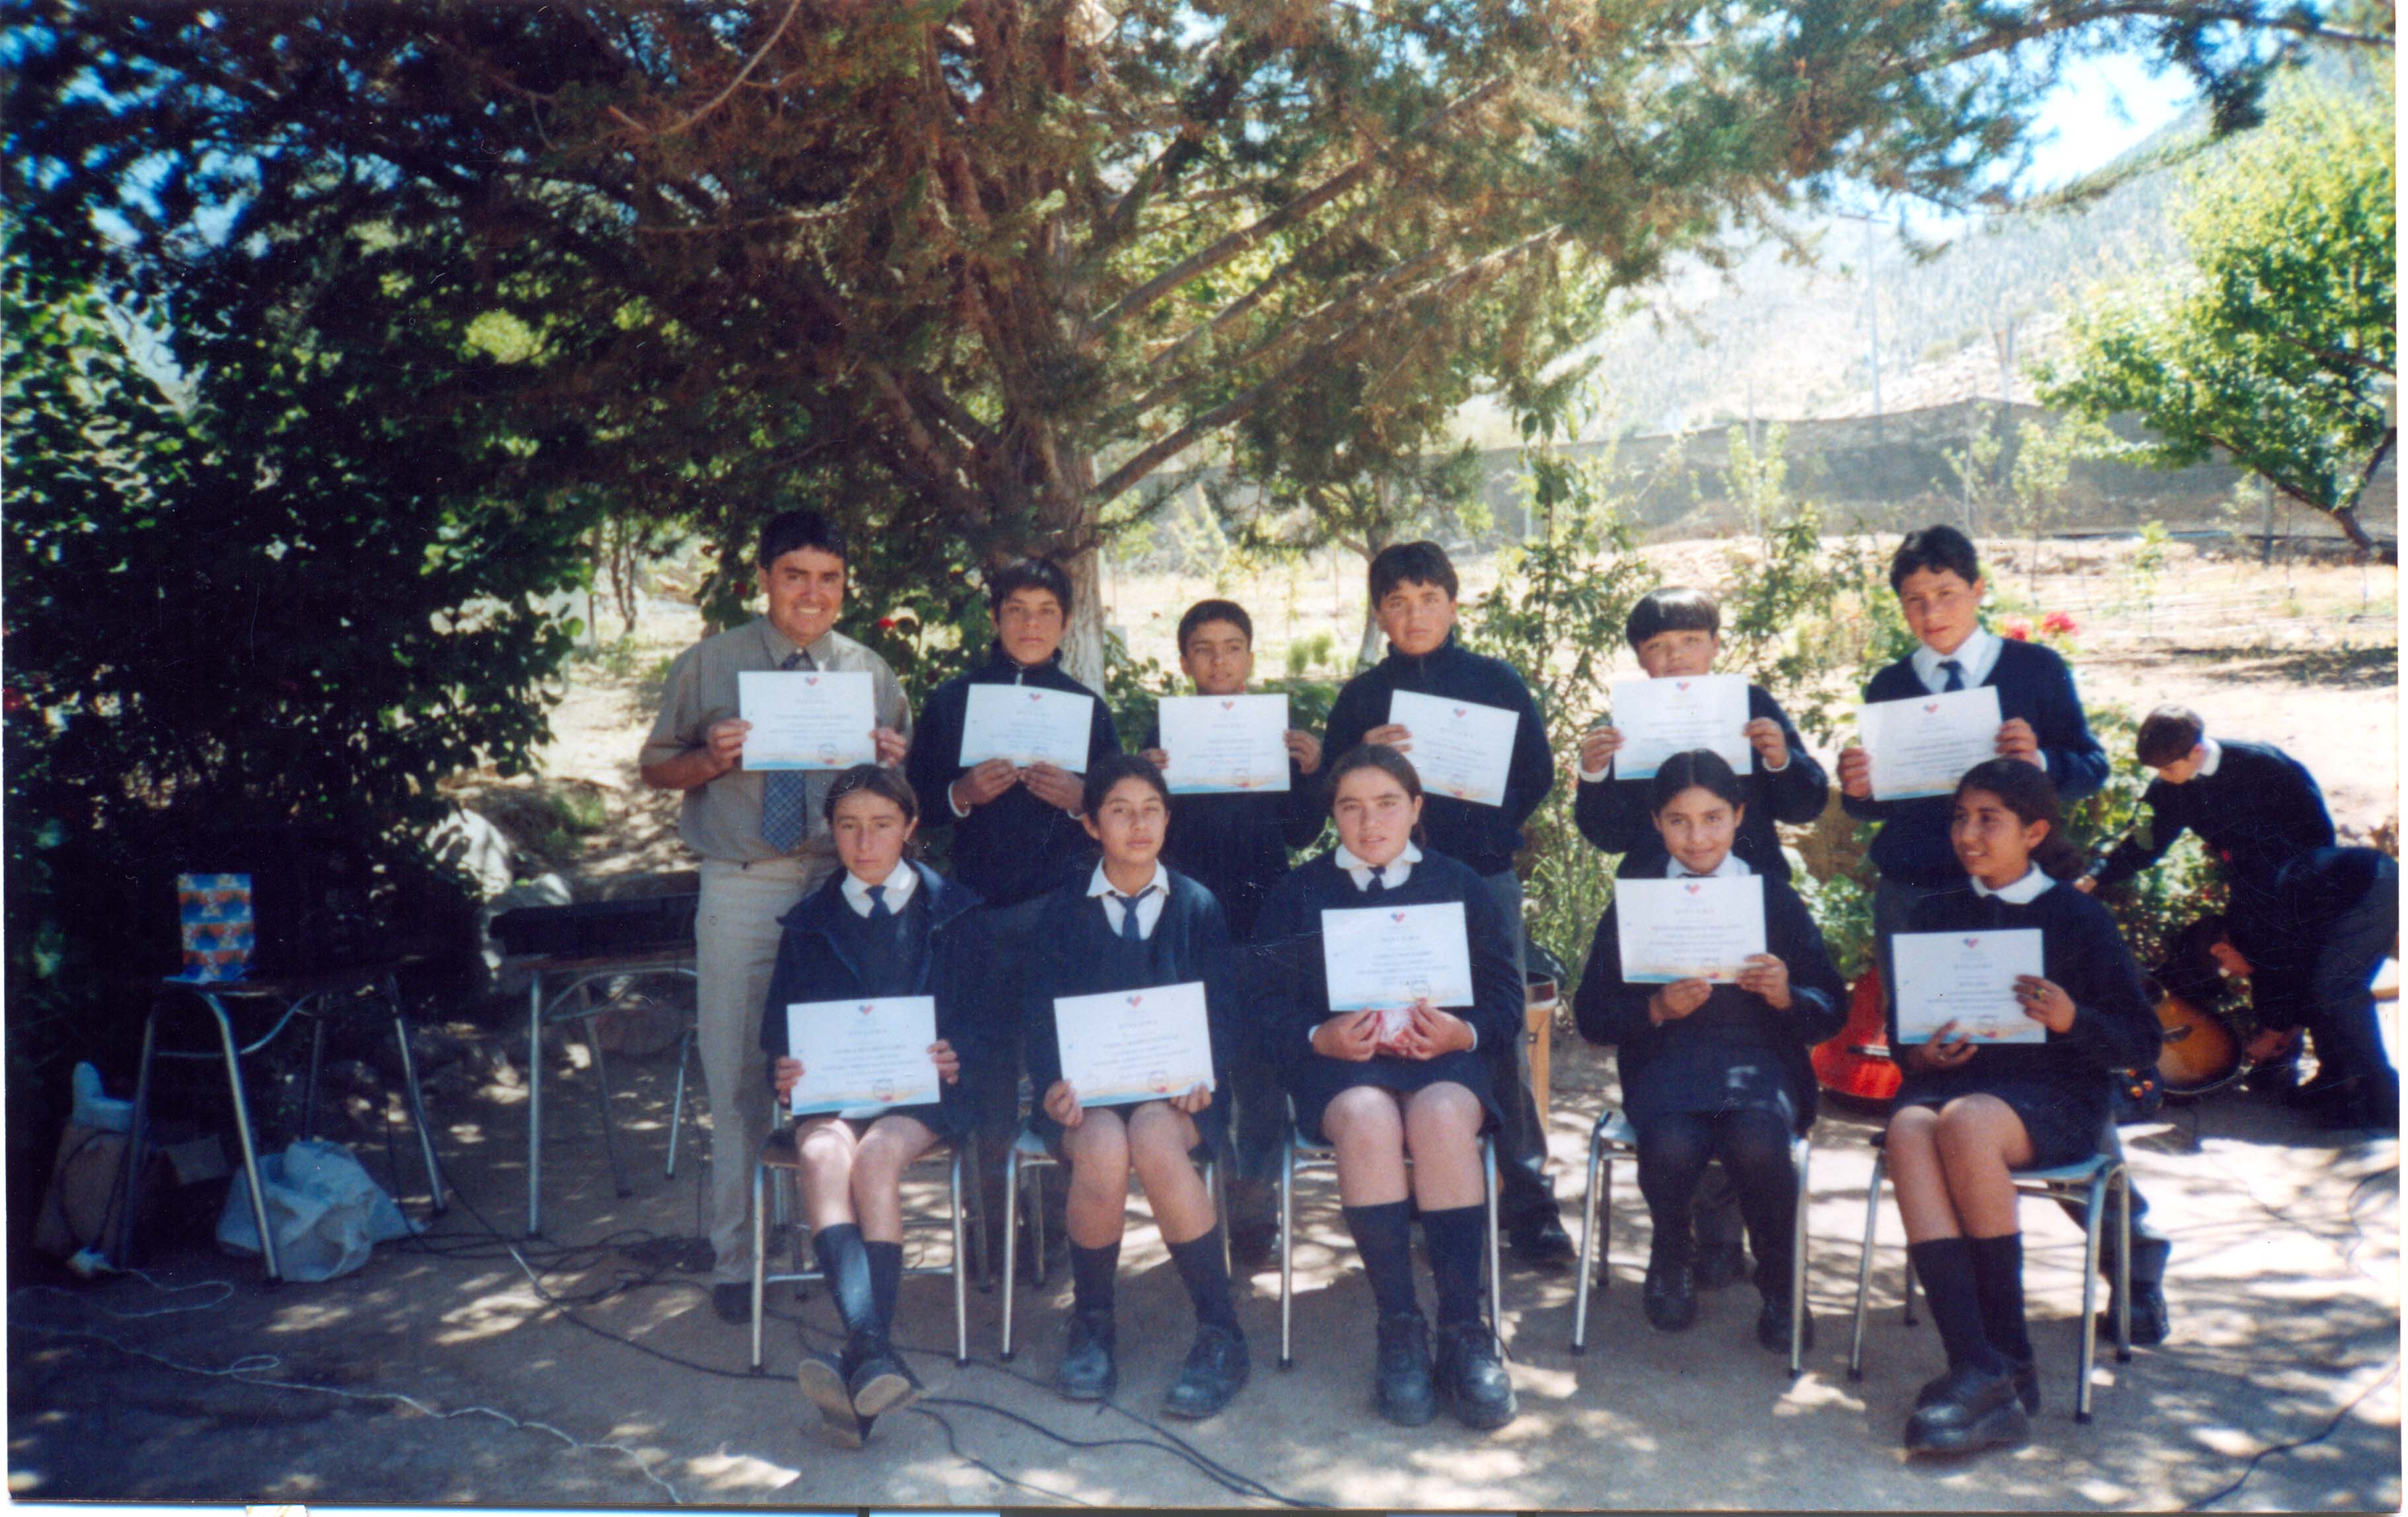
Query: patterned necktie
{"points": [[785, 792], [1955, 673], [1130, 931], [879, 909]]}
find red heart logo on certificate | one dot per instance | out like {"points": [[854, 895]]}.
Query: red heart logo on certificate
{"points": [[810, 679], [1396, 916], [867, 1006], [1458, 711], [1228, 705], [1971, 941], [1679, 684], [1929, 706], [1694, 889], [1035, 696], [1135, 1000]]}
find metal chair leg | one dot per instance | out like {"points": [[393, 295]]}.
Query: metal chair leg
{"points": [[1584, 1283], [1288, 1250], [961, 1269], [1496, 1264], [535, 1103], [436, 1188], [602, 1096], [242, 1131], [309, 1090], [1011, 1241], [1865, 1273], [2124, 1265], [760, 1254], [137, 1139], [1802, 1152], [677, 1106]]}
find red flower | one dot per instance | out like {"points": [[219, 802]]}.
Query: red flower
{"points": [[2059, 622], [886, 624], [2017, 627], [13, 701]]}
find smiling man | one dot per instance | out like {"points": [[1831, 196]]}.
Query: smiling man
{"points": [[762, 841]]}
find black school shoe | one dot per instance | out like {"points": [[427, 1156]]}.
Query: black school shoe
{"points": [[2151, 1319], [1772, 1325], [822, 1383], [881, 1382], [1966, 1410], [733, 1301], [1217, 1370], [1540, 1241], [1087, 1372], [1472, 1379], [1402, 1390], [1670, 1298]]}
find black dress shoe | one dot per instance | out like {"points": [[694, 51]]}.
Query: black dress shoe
{"points": [[1087, 1372], [1772, 1325], [881, 1382], [1965, 1410], [1216, 1369], [2151, 1320], [1254, 1243], [1541, 1242], [1671, 1294], [1403, 1392], [1472, 1379], [822, 1383], [1719, 1265], [733, 1301]]}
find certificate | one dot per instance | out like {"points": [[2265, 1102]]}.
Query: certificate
{"points": [[1224, 743], [1659, 718], [863, 1054], [1383, 957], [1924, 745], [1967, 977], [807, 719], [1028, 724], [1459, 748], [1687, 929], [1134, 1045]]}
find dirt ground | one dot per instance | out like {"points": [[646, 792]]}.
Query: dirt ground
{"points": [[2278, 1391], [586, 1368]]}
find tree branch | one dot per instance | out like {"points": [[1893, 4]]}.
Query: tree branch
{"points": [[730, 87]]}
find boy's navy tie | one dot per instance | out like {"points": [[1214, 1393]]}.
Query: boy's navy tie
{"points": [[1955, 673], [784, 793], [1130, 931], [879, 909]]}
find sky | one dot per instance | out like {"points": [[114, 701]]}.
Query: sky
{"points": [[2103, 106]]}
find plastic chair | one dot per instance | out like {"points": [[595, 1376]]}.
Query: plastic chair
{"points": [[781, 1151], [1613, 1138], [1027, 1156], [1299, 1152], [2087, 1181]]}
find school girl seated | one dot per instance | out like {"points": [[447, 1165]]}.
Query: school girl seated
{"points": [[1383, 1090], [1968, 1115], [884, 925], [1716, 1070], [1134, 924]]}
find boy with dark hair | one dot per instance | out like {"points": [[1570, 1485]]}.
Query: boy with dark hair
{"points": [[1413, 590], [1236, 845], [1016, 831], [763, 838], [1677, 631], [1937, 575], [2260, 812]]}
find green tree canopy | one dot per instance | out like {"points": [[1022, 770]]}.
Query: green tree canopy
{"points": [[2278, 345]]}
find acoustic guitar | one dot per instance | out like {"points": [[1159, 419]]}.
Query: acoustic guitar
{"points": [[1855, 1066], [2199, 1053]]}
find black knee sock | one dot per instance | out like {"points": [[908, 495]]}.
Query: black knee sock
{"points": [[1384, 1239], [1945, 1266], [1092, 1273], [1999, 1277], [1456, 1237], [1207, 1279], [846, 1264], [885, 1278]]}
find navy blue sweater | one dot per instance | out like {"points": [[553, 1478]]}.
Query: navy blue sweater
{"points": [[814, 964], [1485, 837], [1015, 847], [2259, 810], [2114, 1025], [1074, 952], [1290, 983], [1611, 1010], [1236, 845], [2032, 683], [1611, 812]]}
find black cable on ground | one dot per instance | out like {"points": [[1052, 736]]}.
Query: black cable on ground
{"points": [[2323, 1433]]}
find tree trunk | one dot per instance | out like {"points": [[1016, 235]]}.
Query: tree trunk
{"points": [[1082, 642], [1377, 534]]}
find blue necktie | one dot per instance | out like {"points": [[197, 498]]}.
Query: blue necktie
{"points": [[1955, 673], [1130, 932], [1377, 884], [879, 909], [785, 792]]}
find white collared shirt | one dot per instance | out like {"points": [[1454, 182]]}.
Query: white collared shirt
{"points": [[1150, 899], [1976, 657], [1731, 868], [2031, 887], [1398, 871], [899, 886], [2215, 758]]}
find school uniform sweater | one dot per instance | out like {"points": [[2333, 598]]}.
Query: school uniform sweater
{"points": [[1732, 1022], [1075, 950], [1611, 812], [2032, 683], [1015, 847], [1236, 845], [1289, 981], [2258, 813], [2060, 1087], [937, 945], [1482, 838]]}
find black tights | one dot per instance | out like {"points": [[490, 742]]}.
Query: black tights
{"points": [[1753, 1146]]}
